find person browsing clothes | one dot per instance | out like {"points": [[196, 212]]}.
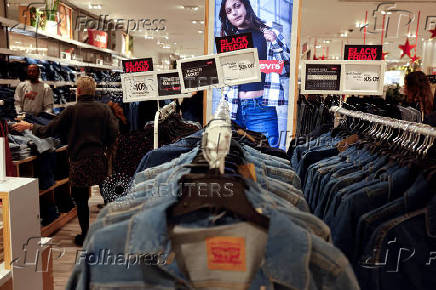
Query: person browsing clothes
{"points": [[33, 96], [90, 129], [253, 105], [417, 88]]}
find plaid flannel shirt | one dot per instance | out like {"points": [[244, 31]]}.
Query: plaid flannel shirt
{"points": [[274, 94]]}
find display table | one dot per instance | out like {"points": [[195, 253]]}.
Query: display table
{"points": [[22, 232]]}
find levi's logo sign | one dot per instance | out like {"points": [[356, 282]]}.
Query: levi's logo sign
{"points": [[363, 52], [234, 42], [138, 65], [226, 253], [271, 66]]}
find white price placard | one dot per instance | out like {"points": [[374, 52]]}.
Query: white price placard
{"points": [[139, 86], [358, 77], [362, 78], [240, 67]]}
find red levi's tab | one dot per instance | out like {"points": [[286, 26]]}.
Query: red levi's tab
{"points": [[226, 253], [271, 66]]}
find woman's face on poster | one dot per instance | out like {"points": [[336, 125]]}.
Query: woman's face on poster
{"points": [[236, 12]]}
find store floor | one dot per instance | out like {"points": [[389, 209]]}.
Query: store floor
{"points": [[64, 256]]}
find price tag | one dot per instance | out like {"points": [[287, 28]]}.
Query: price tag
{"points": [[240, 67], [139, 86], [362, 78]]}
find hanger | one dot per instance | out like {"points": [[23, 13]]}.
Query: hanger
{"points": [[216, 144]]}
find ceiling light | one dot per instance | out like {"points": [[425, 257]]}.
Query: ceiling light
{"points": [[318, 46], [200, 31], [327, 41], [357, 24], [193, 8], [148, 37], [344, 34], [194, 21], [167, 37], [166, 46], [202, 21], [94, 6]]}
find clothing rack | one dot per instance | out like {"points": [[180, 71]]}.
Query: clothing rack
{"points": [[415, 128]]}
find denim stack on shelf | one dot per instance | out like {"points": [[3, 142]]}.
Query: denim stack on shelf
{"points": [[375, 187]]}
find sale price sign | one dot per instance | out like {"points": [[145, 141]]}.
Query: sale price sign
{"points": [[138, 65], [362, 77], [234, 42], [363, 52], [139, 87]]}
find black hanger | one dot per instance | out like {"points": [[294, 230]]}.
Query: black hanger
{"points": [[221, 192]]}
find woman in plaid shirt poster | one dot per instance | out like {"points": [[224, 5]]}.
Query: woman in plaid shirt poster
{"points": [[262, 106]]}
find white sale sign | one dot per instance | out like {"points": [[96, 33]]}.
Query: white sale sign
{"points": [[362, 77]]}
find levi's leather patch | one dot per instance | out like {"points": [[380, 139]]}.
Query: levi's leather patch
{"points": [[226, 253], [247, 170]]}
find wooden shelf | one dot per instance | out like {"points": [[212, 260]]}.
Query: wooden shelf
{"points": [[57, 184], [56, 59], [20, 28], [58, 223], [28, 159]]}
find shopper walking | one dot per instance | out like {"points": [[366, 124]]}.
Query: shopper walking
{"points": [[33, 96], [253, 105], [89, 128]]}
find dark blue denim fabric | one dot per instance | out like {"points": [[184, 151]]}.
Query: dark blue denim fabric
{"points": [[352, 207], [416, 197], [312, 157], [45, 166], [404, 250], [255, 116]]}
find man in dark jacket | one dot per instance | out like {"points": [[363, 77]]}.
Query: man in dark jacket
{"points": [[90, 129]]}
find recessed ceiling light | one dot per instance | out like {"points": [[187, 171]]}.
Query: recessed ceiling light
{"points": [[200, 31], [202, 22], [94, 6], [189, 7], [318, 46], [327, 41], [167, 37], [194, 21]]}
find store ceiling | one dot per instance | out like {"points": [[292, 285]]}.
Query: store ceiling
{"points": [[181, 36], [326, 20]]}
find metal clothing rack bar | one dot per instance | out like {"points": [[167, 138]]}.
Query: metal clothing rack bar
{"points": [[416, 128]]}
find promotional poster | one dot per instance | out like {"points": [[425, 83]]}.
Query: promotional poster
{"points": [[259, 106]]}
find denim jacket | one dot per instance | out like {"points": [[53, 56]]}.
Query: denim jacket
{"points": [[293, 258]]}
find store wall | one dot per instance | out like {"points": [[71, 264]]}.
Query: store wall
{"points": [[429, 56]]}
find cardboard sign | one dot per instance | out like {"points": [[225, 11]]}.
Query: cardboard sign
{"points": [[360, 77], [240, 67], [147, 86], [138, 65], [139, 86], [363, 52], [234, 42], [199, 73], [323, 77], [97, 38], [169, 84]]}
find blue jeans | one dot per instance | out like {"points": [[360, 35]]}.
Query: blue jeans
{"points": [[255, 116]]}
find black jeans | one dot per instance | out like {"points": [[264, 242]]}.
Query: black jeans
{"points": [[81, 197]]}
